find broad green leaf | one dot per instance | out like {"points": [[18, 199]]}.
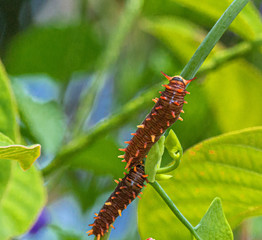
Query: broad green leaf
{"points": [[153, 160], [23, 154], [55, 50], [214, 225], [26, 156], [234, 91], [8, 110], [248, 24], [228, 166], [22, 194], [45, 121], [20, 202]]}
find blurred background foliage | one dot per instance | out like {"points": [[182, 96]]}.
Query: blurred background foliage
{"points": [[84, 72]]}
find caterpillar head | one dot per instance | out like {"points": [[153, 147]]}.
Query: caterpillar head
{"points": [[178, 79]]}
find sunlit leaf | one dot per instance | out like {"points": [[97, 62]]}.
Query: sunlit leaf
{"points": [[8, 124], [247, 24], [214, 225], [26, 156], [228, 166], [23, 197], [234, 92], [180, 35]]}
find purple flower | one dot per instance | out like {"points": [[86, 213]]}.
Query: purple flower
{"points": [[42, 221]]}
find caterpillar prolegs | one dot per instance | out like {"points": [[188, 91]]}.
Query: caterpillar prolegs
{"points": [[166, 111]]}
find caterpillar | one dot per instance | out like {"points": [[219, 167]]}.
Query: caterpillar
{"points": [[166, 111], [126, 191]]}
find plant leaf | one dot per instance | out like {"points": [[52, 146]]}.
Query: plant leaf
{"points": [[23, 154], [214, 225], [22, 194], [26, 156], [228, 166], [184, 46], [173, 145], [153, 160], [235, 80], [8, 111], [21, 200], [247, 24]]}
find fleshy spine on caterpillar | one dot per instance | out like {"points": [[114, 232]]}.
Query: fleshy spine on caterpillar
{"points": [[166, 111]]}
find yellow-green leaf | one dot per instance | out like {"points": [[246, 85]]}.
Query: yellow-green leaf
{"points": [[180, 35], [154, 159], [8, 110], [228, 166], [235, 94], [214, 225], [26, 156], [247, 24], [20, 202]]}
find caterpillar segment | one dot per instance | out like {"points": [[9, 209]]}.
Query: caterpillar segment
{"points": [[126, 191]]}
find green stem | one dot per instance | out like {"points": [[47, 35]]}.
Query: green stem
{"points": [[212, 38], [170, 168], [174, 209]]}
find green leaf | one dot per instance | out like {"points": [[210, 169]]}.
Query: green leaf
{"points": [[26, 156], [21, 200], [8, 109], [175, 150], [184, 46], [173, 145], [44, 121], [153, 160], [247, 24], [214, 225], [56, 50], [22, 194], [228, 166], [236, 96]]}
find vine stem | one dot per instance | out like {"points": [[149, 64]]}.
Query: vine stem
{"points": [[170, 168], [212, 38], [174, 209]]}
